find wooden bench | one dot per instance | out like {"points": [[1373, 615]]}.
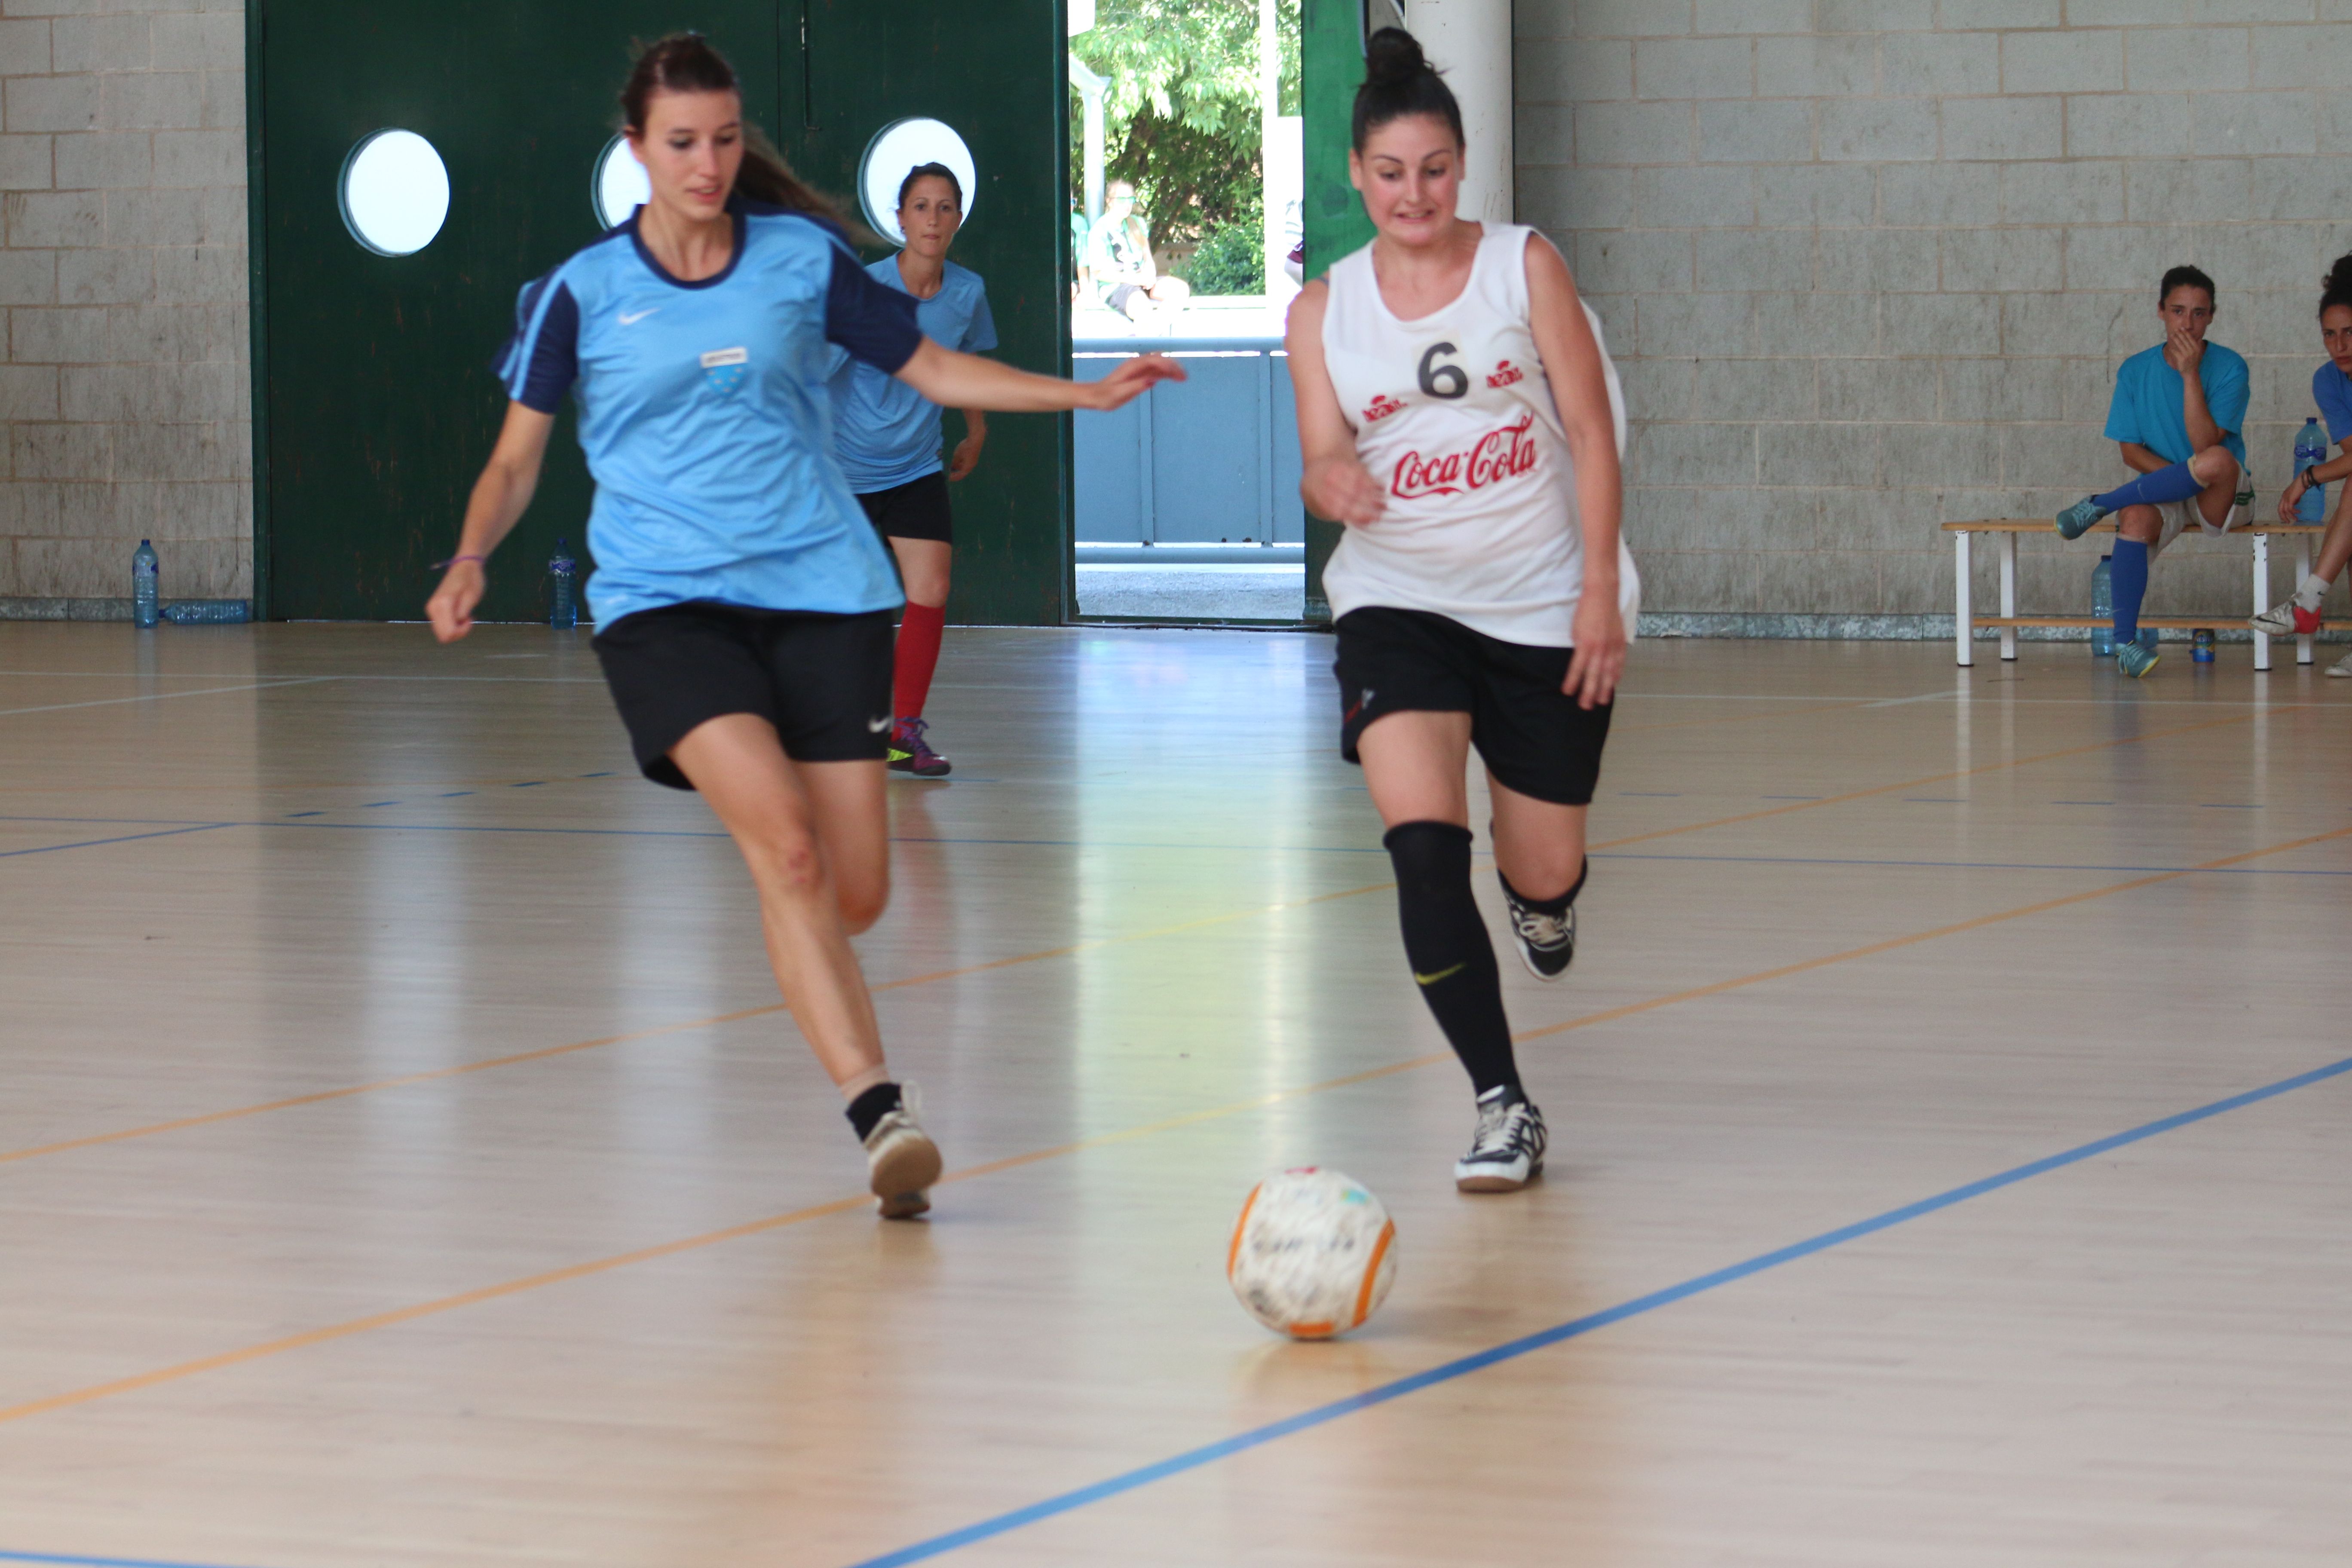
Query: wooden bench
{"points": [[2005, 530]]}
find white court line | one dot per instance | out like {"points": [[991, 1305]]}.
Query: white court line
{"points": [[167, 696]]}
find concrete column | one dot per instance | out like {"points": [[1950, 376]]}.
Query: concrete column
{"points": [[1470, 41]]}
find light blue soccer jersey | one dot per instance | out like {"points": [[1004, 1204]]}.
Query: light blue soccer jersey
{"points": [[2146, 407], [2332, 390], [705, 418], [886, 433]]}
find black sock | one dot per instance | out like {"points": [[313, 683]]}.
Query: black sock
{"points": [[1446, 943], [1556, 907], [871, 1107]]}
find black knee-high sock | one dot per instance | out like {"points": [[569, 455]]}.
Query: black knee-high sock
{"points": [[1447, 943]]}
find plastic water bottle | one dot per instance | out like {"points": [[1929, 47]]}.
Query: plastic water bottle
{"points": [[2201, 648], [2102, 605], [2310, 450], [564, 573], [146, 605]]}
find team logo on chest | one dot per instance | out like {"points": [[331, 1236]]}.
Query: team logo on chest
{"points": [[1498, 455], [727, 369], [1381, 407], [1504, 375]]}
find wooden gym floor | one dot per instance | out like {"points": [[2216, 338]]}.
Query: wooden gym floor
{"points": [[403, 1160]]}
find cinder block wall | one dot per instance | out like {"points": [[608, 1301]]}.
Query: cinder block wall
{"points": [[122, 275], [1869, 265]]}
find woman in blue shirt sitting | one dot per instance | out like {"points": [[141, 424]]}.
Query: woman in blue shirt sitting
{"points": [[742, 602], [887, 434]]}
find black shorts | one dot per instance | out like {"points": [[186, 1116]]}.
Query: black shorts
{"points": [[1531, 734], [915, 509], [824, 682]]}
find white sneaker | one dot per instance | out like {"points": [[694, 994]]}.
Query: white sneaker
{"points": [[1508, 1148], [2342, 667], [2285, 619], [901, 1161]]}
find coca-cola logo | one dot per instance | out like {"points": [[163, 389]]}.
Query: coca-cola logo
{"points": [[1498, 455]]}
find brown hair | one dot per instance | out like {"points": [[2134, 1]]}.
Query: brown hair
{"points": [[685, 62]]}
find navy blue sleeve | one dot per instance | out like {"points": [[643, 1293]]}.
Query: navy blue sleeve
{"points": [[873, 320], [541, 361]]}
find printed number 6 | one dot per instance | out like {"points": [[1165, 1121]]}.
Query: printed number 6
{"points": [[1443, 380]]}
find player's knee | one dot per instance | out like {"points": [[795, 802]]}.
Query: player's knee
{"points": [[863, 899], [2140, 522], [2213, 465], [786, 861], [1430, 858]]}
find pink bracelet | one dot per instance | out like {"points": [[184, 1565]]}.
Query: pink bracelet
{"points": [[481, 559]]}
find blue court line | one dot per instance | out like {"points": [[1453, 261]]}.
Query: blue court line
{"points": [[97, 1561], [122, 838], [1210, 1453]]}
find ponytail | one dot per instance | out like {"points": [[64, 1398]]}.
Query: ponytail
{"points": [[1399, 82], [685, 62]]}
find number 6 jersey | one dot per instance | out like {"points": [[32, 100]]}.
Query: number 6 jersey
{"points": [[1453, 417]]}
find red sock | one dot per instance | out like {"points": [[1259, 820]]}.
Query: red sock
{"points": [[918, 654]]}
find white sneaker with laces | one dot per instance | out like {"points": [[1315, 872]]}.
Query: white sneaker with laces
{"points": [[1507, 1150], [2342, 667], [901, 1161]]}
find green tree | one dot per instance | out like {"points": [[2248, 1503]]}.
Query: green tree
{"points": [[1180, 117]]}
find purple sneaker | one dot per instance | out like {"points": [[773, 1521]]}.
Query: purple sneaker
{"points": [[910, 753]]}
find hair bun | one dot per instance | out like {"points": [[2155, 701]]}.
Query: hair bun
{"points": [[2340, 276], [1393, 55]]}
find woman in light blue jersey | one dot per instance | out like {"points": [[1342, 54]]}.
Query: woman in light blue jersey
{"points": [[889, 438], [742, 600]]}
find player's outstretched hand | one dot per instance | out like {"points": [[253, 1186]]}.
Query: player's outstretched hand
{"points": [[1132, 379], [451, 607], [1598, 655], [1343, 490]]}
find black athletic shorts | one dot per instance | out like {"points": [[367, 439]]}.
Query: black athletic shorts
{"points": [[824, 682], [915, 509], [1531, 734]]}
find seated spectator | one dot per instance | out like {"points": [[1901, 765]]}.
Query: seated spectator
{"points": [[2178, 414], [1119, 262]]}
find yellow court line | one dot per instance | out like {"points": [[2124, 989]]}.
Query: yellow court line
{"points": [[547, 1052], [398, 1315]]}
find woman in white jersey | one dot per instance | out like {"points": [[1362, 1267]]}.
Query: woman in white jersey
{"points": [[742, 602], [1458, 413]]}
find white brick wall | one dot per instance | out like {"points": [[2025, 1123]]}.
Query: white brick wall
{"points": [[123, 275], [1868, 265]]}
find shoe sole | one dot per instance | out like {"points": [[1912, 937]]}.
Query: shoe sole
{"points": [[902, 1177], [913, 772], [1497, 1184], [1528, 957]]}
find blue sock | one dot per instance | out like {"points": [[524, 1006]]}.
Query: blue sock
{"points": [[2128, 579], [2175, 483]]}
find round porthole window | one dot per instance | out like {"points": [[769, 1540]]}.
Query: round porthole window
{"points": [[395, 193], [621, 185], [898, 147]]}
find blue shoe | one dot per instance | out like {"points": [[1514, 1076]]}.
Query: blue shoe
{"points": [[2077, 520], [2135, 658]]}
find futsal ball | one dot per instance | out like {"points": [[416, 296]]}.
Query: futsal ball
{"points": [[1313, 1254]]}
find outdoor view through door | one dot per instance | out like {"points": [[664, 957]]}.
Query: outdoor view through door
{"points": [[1185, 196]]}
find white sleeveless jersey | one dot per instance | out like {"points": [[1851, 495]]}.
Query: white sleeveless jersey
{"points": [[1453, 417]]}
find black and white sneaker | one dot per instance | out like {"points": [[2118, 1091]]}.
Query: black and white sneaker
{"points": [[1546, 943], [1508, 1150]]}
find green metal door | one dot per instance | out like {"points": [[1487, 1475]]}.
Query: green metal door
{"points": [[373, 404], [994, 72]]}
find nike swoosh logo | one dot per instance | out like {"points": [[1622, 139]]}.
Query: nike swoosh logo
{"points": [[627, 319], [1433, 979], [876, 726]]}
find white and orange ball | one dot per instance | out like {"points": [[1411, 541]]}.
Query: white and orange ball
{"points": [[1313, 1254]]}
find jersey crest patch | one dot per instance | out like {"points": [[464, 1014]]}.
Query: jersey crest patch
{"points": [[726, 369], [1382, 406], [1504, 375]]}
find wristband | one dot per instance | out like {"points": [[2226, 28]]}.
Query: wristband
{"points": [[477, 559]]}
